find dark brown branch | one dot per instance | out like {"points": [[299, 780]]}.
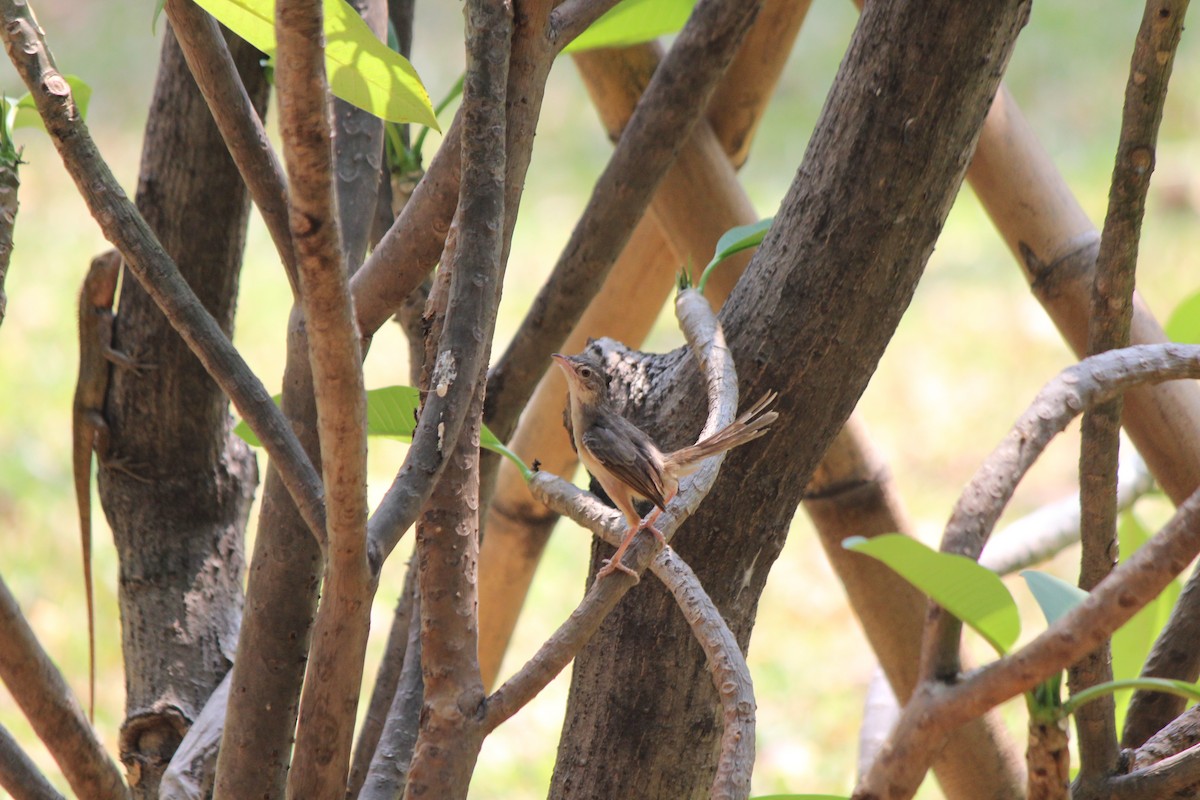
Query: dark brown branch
{"points": [[216, 75], [19, 776], [358, 155], [1112, 315], [450, 735], [672, 104], [153, 268], [1174, 655], [46, 700], [326, 723]]}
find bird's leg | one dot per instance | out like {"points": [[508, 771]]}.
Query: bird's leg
{"points": [[636, 524], [613, 564]]}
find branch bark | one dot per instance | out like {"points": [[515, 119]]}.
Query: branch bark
{"points": [[330, 697], [907, 136], [19, 776], [43, 695], [180, 530], [1112, 315]]}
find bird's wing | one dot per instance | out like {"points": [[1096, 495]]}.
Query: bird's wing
{"points": [[629, 455]]}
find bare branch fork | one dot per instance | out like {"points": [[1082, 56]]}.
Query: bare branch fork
{"points": [[730, 675], [945, 699]]}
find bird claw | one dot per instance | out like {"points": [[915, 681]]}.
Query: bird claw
{"points": [[612, 565]]}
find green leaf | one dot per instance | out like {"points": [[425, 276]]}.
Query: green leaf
{"points": [[362, 70], [735, 240], [634, 21], [392, 413], [26, 115], [1054, 595], [1184, 324], [970, 592]]}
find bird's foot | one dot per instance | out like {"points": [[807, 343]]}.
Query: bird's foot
{"points": [[614, 564]]}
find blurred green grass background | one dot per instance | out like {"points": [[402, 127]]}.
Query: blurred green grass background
{"points": [[969, 355]]}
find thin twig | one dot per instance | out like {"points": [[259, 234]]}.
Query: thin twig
{"points": [[672, 104], [19, 776], [326, 723], [217, 77], [155, 271], [43, 695]]}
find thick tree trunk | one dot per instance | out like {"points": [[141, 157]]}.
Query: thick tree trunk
{"points": [[810, 319], [180, 530]]}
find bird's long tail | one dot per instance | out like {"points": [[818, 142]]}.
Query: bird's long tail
{"points": [[751, 424]]}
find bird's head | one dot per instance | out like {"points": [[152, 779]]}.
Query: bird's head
{"points": [[586, 380]]}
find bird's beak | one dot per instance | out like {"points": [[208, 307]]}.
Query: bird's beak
{"points": [[563, 362]]}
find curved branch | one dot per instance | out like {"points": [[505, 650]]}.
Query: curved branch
{"points": [[154, 269], [1091, 381], [939, 706]]}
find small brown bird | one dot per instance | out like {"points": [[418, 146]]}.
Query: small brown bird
{"points": [[626, 461]]}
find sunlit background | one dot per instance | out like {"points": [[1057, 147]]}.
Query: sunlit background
{"points": [[969, 355]]}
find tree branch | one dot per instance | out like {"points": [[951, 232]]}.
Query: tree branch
{"points": [[153, 268], [1091, 381], [216, 75], [46, 700], [664, 119], [19, 775], [387, 772], [383, 695], [1046, 532], [943, 702], [572, 17], [334, 676], [1112, 315]]}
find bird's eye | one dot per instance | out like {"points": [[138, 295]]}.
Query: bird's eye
{"points": [[585, 372]]}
